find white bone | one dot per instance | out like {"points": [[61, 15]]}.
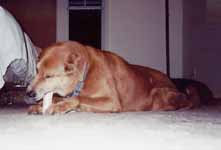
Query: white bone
{"points": [[47, 101]]}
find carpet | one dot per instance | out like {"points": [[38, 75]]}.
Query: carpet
{"points": [[174, 130]]}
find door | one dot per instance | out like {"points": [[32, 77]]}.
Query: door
{"points": [[85, 22]]}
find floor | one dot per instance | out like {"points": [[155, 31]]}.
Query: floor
{"points": [[178, 130]]}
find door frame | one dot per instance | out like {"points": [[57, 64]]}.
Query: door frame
{"points": [[62, 20]]}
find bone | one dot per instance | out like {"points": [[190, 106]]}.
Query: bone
{"points": [[47, 101]]}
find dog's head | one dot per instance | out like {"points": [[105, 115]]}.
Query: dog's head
{"points": [[58, 70]]}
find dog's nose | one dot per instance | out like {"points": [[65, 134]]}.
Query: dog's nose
{"points": [[31, 94]]}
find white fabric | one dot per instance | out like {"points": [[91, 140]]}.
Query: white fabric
{"points": [[13, 49]]}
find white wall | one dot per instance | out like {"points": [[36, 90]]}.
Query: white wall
{"points": [[135, 29], [176, 38]]}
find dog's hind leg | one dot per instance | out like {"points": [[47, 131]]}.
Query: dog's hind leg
{"points": [[169, 99]]}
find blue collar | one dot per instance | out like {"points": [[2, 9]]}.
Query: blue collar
{"points": [[80, 84]]}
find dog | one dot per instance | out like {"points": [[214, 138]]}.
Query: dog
{"points": [[196, 91], [108, 83]]}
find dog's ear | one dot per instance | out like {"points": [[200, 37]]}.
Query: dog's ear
{"points": [[73, 62]]}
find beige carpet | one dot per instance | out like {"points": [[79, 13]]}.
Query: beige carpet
{"points": [[181, 130]]}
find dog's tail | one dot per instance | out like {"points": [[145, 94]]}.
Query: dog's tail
{"points": [[196, 91]]}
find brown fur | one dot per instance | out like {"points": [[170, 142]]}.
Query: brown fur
{"points": [[111, 85], [195, 90]]}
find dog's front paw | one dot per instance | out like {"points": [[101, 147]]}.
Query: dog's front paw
{"points": [[62, 107], [35, 109], [55, 109]]}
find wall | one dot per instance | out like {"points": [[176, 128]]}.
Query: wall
{"points": [[194, 13], [38, 19], [176, 38], [201, 42], [210, 52], [136, 31]]}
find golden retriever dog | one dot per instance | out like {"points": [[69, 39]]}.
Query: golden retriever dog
{"points": [[108, 83]]}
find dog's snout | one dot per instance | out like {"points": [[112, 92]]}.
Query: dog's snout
{"points": [[31, 94]]}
